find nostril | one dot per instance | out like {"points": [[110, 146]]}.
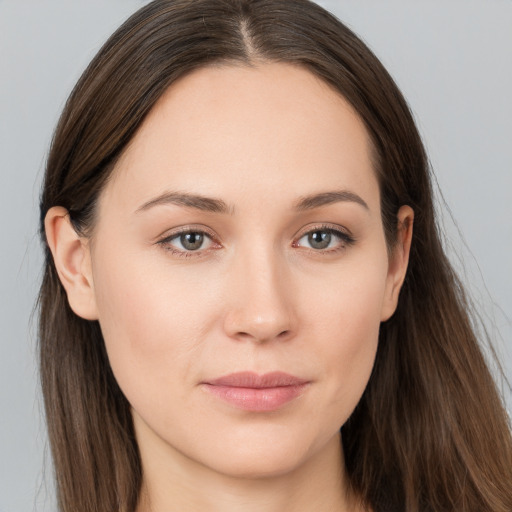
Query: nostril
{"points": [[262, 337]]}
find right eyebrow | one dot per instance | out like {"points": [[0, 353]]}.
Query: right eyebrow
{"points": [[196, 201]]}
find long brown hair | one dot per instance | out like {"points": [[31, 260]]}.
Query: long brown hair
{"points": [[430, 432]]}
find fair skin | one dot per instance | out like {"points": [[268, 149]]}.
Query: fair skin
{"points": [[264, 281]]}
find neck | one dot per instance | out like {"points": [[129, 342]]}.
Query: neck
{"points": [[177, 483]]}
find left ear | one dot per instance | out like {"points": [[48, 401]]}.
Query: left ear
{"points": [[398, 261]]}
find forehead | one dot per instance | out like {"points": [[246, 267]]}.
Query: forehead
{"points": [[239, 131]]}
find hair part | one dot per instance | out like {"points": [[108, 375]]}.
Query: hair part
{"points": [[430, 432]]}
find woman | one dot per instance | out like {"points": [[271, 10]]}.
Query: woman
{"points": [[241, 259]]}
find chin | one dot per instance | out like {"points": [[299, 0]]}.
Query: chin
{"points": [[266, 456], [265, 464]]}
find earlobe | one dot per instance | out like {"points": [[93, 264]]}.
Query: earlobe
{"points": [[71, 255], [398, 261]]}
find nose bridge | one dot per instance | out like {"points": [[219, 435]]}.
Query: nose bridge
{"points": [[262, 304]]}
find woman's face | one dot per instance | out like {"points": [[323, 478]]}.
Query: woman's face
{"points": [[241, 232]]}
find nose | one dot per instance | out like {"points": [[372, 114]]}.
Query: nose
{"points": [[261, 299]]}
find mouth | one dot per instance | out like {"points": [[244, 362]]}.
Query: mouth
{"points": [[257, 393]]}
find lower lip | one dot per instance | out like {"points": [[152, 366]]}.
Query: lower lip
{"points": [[257, 399]]}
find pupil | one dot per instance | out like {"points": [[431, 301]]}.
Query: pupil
{"points": [[320, 239], [191, 241]]}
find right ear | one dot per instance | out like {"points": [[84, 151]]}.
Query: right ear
{"points": [[71, 254]]}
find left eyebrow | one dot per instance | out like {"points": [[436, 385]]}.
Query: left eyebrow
{"points": [[325, 198]]}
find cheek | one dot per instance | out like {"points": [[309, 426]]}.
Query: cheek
{"points": [[153, 319], [345, 325]]}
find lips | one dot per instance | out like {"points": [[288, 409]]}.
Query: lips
{"points": [[258, 393]]}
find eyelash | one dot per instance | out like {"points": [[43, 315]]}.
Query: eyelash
{"points": [[345, 240]]}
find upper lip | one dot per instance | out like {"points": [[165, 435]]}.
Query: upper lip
{"points": [[253, 380]]}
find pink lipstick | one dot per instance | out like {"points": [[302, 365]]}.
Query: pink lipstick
{"points": [[258, 393]]}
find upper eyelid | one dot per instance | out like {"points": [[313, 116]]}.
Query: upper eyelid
{"points": [[175, 232], [323, 227]]}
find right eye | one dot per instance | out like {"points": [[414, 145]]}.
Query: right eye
{"points": [[191, 241], [188, 242]]}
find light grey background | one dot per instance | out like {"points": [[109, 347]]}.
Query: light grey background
{"points": [[453, 61]]}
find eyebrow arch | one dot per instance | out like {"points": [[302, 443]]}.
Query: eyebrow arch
{"points": [[326, 198], [207, 204]]}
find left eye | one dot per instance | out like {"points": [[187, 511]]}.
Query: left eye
{"points": [[189, 241], [321, 239]]}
